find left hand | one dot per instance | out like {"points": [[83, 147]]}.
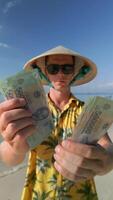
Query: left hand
{"points": [[76, 161]]}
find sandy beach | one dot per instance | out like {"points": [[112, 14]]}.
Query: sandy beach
{"points": [[12, 181], [11, 185]]}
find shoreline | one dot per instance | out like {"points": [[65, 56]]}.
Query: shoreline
{"points": [[6, 170], [12, 170]]}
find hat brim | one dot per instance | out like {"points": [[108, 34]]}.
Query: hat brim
{"points": [[80, 61]]}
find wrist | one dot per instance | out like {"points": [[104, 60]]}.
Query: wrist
{"points": [[9, 156]]}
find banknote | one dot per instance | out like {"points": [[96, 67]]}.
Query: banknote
{"points": [[27, 85], [94, 121]]}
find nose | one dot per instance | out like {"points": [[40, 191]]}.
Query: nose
{"points": [[61, 74]]}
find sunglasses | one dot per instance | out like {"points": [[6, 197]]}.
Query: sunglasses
{"points": [[55, 68]]}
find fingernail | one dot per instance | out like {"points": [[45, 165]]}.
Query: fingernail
{"points": [[57, 149], [65, 143], [57, 166], [54, 155]]}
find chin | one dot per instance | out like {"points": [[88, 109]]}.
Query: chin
{"points": [[60, 89]]}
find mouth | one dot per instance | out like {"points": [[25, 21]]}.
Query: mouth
{"points": [[61, 82]]}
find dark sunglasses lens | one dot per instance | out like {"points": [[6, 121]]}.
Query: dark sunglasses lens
{"points": [[53, 69], [68, 69]]}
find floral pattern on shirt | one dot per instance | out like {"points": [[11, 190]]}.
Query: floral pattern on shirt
{"points": [[43, 182]]}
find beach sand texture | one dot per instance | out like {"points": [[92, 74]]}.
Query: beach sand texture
{"points": [[11, 183]]}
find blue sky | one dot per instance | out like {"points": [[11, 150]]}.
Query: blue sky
{"points": [[29, 27]]}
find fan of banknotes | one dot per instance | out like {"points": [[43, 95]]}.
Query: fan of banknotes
{"points": [[27, 85], [94, 121]]}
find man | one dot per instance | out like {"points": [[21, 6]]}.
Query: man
{"points": [[59, 168]]}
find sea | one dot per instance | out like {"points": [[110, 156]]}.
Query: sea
{"points": [[4, 170], [85, 96]]}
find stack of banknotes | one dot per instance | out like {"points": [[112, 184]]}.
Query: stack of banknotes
{"points": [[94, 121], [27, 85]]}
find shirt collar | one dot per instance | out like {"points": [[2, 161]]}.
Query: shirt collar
{"points": [[72, 99]]}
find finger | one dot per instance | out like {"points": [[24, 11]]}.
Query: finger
{"points": [[12, 115], [19, 142], [77, 171], [87, 151], [25, 133], [79, 161], [67, 174], [22, 135], [15, 126], [12, 104]]}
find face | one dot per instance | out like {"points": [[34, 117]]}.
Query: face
{"points": [[60, 80]]}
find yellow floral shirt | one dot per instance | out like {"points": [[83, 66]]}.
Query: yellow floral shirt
{"points": [[43, 182]]}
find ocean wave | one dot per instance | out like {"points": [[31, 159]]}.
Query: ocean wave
{"points": [[13, 170]]}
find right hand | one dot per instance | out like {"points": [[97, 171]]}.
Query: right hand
{"points": [[16, 124]]}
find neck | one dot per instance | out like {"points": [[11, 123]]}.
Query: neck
{"points": [[60, 98]]}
